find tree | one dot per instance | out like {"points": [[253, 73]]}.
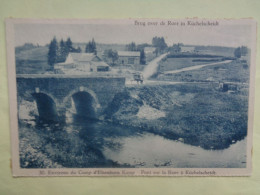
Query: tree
{"points": [[88, 48], [176, 48], [244, 51], [69, 46], [91, 47], [113, 55], [142, 57], [78, 50], [237, 52], [53, 52], [58, 52], [131, 47], [94, 47], [156, 52], [142, 46], [63, 52], [159, 43]]}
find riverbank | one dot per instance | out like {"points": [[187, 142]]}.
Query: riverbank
{"points": [[48, 145], [198, 115]]}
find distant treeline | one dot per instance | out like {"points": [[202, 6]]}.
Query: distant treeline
{"points": [[26, 46]]}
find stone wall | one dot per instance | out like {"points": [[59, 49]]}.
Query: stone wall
{"points": [[61, 88]]}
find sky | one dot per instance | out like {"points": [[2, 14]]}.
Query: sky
{"points": [[220, 35]]}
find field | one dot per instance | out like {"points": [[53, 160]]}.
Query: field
{"points": [[32, 61], [178, 63], [230, 72], [216, 50]]}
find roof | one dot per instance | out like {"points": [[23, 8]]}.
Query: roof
{"points": [[129, 53], [82, 57]]}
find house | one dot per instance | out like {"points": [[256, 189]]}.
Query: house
{"points": [[225, 87], [128, 57], [84, 62], [187, 49], [149, 50]]}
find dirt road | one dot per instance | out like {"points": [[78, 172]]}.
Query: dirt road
{"points": [[151, 68]]}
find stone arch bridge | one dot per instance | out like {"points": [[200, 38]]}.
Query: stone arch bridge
{"points": [[54, 93]]}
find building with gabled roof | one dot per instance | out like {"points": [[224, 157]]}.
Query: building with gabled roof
{"points": [[84, 62], [128, 57]]}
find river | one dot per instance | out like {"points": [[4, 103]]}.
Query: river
{"points": [[82, 143]]}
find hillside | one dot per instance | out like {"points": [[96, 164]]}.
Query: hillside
{"points": [[102, 46], [32, 61], [200, 115], [216, 50]]}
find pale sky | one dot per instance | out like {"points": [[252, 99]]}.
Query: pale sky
{"points": [[221, 35]]}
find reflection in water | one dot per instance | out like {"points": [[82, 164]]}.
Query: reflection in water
{"points": [[88, 143], [149, 150]]}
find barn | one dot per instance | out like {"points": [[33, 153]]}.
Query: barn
{"points": [[84, 62]]}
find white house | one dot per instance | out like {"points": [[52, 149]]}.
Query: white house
{"points": [[128, 57], [84, 62]]}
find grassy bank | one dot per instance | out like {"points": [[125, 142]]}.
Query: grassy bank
{"points": [[199, 115], [44, 145]]}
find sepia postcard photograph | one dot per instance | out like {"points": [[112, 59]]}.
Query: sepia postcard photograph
{"points": [[131, 97]]}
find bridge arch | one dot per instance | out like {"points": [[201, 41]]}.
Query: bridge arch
{"points": [[85, 101], [46, 106]]}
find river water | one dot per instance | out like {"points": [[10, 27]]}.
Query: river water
{"points": [[123, 146]]}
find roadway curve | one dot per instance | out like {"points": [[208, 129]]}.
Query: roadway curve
{"points": [[151, 68]]}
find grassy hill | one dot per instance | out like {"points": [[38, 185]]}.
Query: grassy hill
{"points": [[216, 50], [32, 61], [102, 46]]}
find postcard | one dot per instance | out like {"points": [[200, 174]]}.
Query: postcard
{"points": [[131, 97]]}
